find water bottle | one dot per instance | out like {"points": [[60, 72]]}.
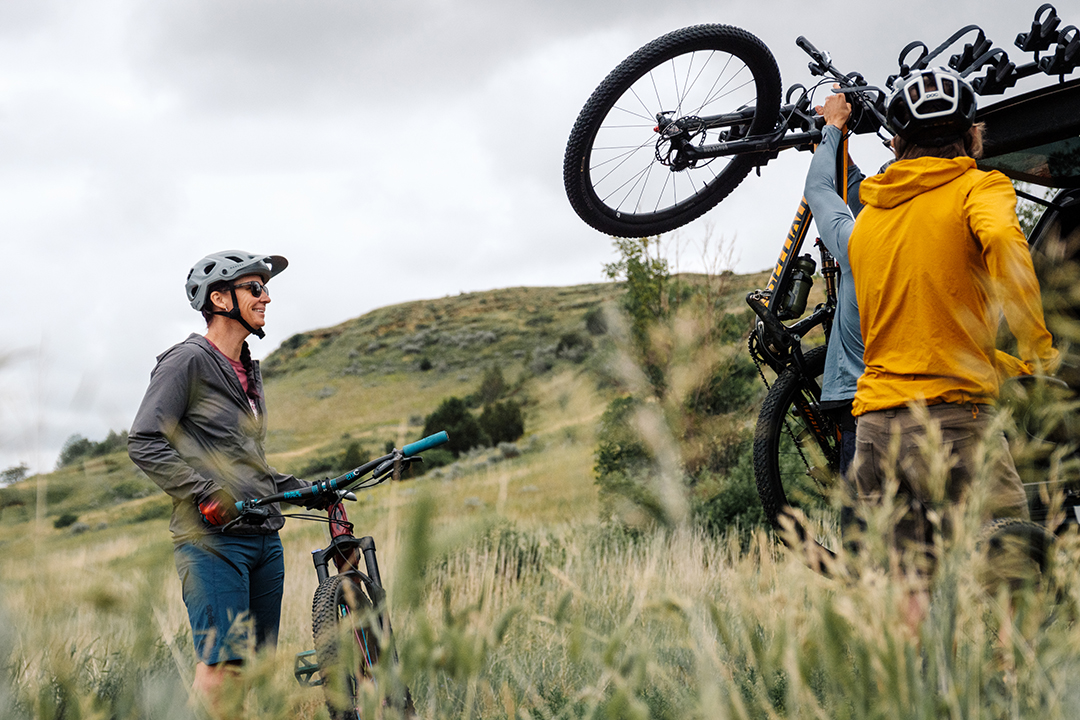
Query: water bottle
{"points": [[802, 279]]}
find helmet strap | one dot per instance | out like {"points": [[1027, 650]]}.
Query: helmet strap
{"points": [[236, 315]]}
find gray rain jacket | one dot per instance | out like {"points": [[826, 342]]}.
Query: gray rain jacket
{"points": [[195, 433]]}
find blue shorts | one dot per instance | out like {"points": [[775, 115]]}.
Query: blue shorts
{"points": [[232, 586]]}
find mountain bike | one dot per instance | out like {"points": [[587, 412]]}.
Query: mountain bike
{"points": [[680, 123], [350, 621]]}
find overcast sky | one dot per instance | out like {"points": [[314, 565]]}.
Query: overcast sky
{"points": [[392, 151]]}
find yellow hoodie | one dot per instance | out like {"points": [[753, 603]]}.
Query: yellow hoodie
{"points": [[936, 254]]}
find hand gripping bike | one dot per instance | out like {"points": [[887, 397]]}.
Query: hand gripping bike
{"points": [[350, 620], [681, 122]]}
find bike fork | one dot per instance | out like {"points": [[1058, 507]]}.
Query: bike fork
{"points": [[377, 592]]}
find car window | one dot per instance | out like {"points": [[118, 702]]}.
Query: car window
{"points": [[1054, 164], [1035, 137]]}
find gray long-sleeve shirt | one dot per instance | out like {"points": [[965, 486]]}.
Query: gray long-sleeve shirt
{"points": [[196, 432], [834, 220]]}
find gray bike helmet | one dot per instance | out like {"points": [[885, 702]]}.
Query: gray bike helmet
{"points": [[931, 108], [227, 266]]}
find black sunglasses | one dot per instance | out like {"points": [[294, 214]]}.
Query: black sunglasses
{"points": [[257, 288]]}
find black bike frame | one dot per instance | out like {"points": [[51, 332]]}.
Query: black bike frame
{"points": [[780, 346]]}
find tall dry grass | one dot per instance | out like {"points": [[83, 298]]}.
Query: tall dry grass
{"points": [[577, 620]]}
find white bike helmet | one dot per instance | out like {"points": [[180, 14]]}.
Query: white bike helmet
{"points": [[931, 108], [227, 266]]}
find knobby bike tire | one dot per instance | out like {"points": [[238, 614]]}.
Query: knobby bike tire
{"points": [[699, 70], [1015, 552], [796, 448], [346, 642]]}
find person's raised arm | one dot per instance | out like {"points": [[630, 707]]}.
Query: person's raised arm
{"points": [[832, 216]]}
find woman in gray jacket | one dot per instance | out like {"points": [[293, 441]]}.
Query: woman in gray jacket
{"points": [[199, 435]]}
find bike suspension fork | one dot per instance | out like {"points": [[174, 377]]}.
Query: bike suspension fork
{"points": [[375, 589], [367, 546]]}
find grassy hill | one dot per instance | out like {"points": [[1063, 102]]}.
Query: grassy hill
{"points": [[372, 380], [375, 378]]}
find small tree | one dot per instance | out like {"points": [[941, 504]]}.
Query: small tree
{"points": [[14, 474], [502, 422], [75, 448], [355, 456], [492, 386], [595, 322], [645, 301], [454, 417]]}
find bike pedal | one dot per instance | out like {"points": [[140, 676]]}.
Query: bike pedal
{"points": [[304, 667]]}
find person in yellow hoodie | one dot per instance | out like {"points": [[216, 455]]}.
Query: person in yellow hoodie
{"points": [[937, 255]]}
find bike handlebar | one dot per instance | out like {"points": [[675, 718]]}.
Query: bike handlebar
{"points": [[813, 52], [868, 111], [380, 466], [439, 438]]}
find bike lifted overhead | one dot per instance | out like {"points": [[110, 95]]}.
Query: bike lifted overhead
{"points": [[675, 127]]}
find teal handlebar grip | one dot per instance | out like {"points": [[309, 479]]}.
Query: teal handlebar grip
{"points": [[439, 438]]}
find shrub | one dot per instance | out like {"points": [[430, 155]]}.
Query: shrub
{"points": [[77, 448], [492, 386], [573, 347], [734, 326], [595, 322], [543, 359], [502, 422], [622, 460], [732, 386], [454, 417], [355, 456], [320, 465], [64, 520], [725, 501], [296, 341]]}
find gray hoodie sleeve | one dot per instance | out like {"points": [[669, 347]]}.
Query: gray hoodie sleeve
{"points": [[833, 218], [158, 418]]}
